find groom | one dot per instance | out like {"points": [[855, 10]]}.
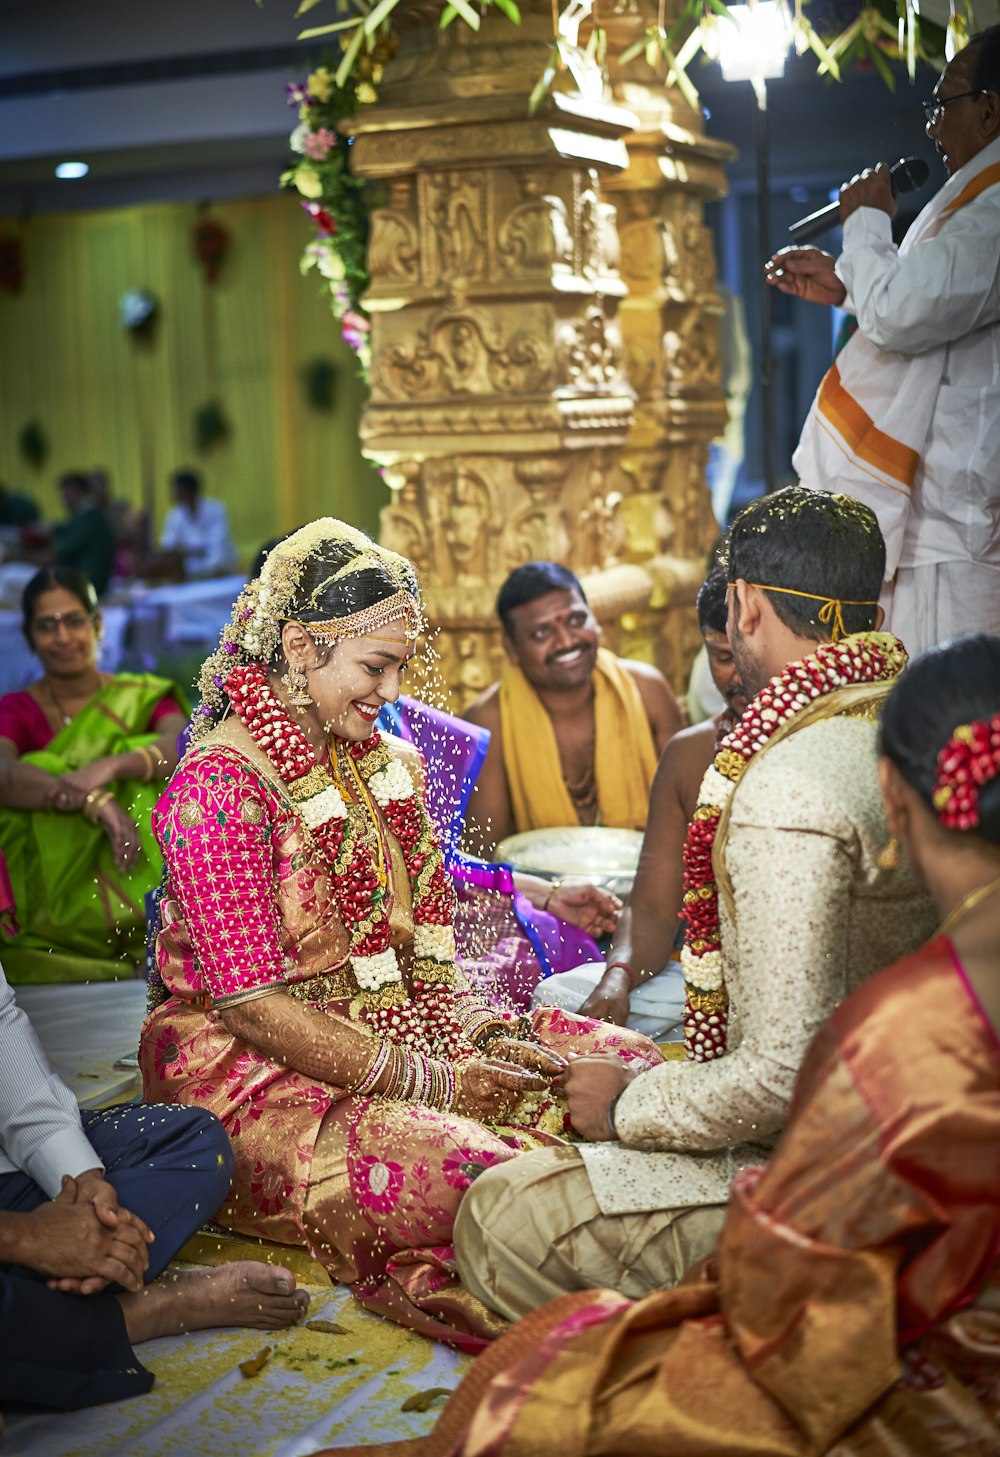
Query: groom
{"points": [[806, 909]]}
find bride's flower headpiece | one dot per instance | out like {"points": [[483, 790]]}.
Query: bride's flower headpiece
{"points": [[266, 603]]}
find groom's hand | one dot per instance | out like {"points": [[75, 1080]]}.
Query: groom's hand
{"points": [[590, 1085]]}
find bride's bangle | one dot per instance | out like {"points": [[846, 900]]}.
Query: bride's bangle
{"points": [[376, 1067], [556, 885]]}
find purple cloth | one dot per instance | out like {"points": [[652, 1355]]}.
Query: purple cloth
{"points": [[505, 944]]}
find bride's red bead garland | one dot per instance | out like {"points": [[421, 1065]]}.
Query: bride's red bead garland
{"points": [[427, 1019], [860, 658]]}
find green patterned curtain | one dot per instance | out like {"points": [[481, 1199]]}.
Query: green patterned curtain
{"points": [[105, 398]]}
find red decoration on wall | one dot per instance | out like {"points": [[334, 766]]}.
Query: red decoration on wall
{"points": [[211, 244], [12, 267]]}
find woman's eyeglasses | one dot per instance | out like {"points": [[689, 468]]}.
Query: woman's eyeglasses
{"points": [[48, 626]]}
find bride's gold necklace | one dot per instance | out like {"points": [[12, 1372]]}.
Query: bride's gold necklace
{"points": [[966, 904]]}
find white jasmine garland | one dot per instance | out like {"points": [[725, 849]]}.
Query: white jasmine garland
{"points": [[392, 782], [437, 942], [716, 789], [703, 972], [373, 972], [327, 805]]}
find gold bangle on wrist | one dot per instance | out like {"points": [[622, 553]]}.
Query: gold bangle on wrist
{"points": [[147, 759], [556, 885], [95, 802]]}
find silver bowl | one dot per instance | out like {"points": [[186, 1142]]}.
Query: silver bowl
{"points": [[597, 853]]}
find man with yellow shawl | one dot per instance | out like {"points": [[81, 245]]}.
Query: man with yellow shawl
{"points": [[575, 731]]}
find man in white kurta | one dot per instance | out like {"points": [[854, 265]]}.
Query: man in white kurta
{"points": [[908, 417], [197, 528], [813, 913]]}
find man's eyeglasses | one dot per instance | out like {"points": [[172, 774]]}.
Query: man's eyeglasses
{"points": [[934, 109]]}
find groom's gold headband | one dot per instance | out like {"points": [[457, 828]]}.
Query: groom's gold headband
{"points": [[830, 614]]}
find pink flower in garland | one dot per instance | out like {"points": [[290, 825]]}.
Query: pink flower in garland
{"points": [[318, 144], [355, 329]]}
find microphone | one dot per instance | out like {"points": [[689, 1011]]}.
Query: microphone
{"points": [[906, 175]]}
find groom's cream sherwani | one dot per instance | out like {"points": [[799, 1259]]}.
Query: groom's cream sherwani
{"points": [[812, 915]]}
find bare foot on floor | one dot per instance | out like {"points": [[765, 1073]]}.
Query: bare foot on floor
{"points": [[245, 1293]]}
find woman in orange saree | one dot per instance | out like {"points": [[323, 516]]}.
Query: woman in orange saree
{"points": [[852, 1306]]}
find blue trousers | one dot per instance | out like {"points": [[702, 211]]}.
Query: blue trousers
{"points": [[172, 1167]]}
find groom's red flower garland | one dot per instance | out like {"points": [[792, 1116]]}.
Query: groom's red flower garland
{"points": [[357, 887], [860, 658]]}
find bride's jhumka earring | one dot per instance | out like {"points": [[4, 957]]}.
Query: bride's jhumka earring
{"points": [[888, 856], [296, 687]]}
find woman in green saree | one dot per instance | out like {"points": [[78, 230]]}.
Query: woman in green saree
{"points": [[82, 758]]}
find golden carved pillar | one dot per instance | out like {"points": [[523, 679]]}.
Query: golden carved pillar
{"points": [[499, 398], [670, 328]]}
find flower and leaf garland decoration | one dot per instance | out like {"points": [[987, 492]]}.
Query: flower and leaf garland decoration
{"points": [[335, 199], [868, 657]]}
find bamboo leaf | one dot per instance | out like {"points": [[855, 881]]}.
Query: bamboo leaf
{"points": [[305, 7], [630, 52], [840, 42], [329, 29], [349, 57], [676, 76], [375, 17], [467, 13], [820, 50], [689, 50], [882, 66], [447, 16], [508, 8], [544, 83]]}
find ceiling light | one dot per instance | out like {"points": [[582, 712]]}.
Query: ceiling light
{"points": [[754, 42], [66, 170]]}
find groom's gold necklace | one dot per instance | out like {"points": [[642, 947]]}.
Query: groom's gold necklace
{"points": [[967, 903]]}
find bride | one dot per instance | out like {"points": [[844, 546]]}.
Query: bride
{"points": [[305, 988]]}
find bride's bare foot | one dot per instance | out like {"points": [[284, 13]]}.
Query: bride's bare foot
{"points": [[245, 1293]]}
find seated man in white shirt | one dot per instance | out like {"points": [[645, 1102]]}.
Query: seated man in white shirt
{"points": [[95, 1208], [197, 529]]}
